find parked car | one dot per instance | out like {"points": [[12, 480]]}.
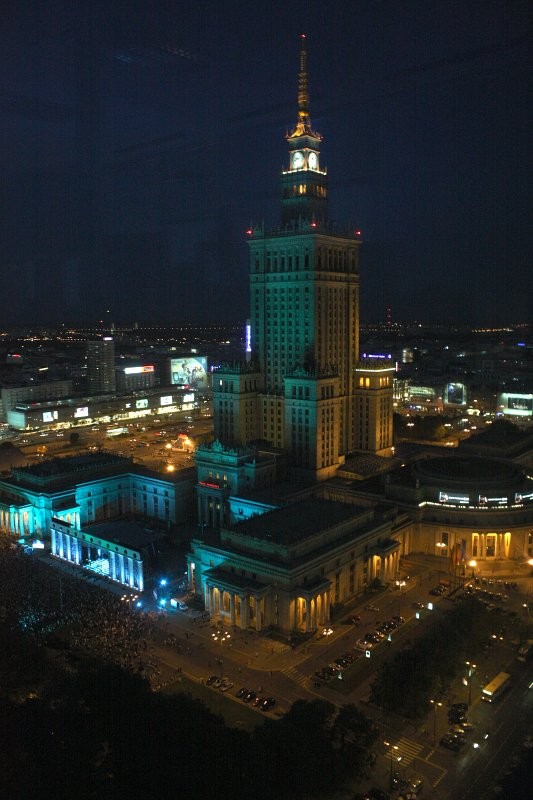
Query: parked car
{"points": [[242, 692], [211, 680], [268, 703], [250, 697], [371, 607]]}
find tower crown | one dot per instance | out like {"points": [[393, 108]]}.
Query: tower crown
{"points": [[304, 183], [303, 126]]}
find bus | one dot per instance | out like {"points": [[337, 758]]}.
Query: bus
{"points": [[496, 687], [525, 653]]}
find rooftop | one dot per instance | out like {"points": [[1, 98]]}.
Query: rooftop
{"points": [[297, 521]]}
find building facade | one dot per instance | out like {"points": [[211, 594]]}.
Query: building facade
{"points": [[101, 365], [288, 567], [80, 491], [299, 392]]}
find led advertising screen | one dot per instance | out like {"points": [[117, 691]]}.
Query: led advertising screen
{"points": [[138, 370], [518, 402], [49, 416], [455, 394], [142, 403], [167, 400], [189, 371], [83, 411], [454, 499], [515, 405]]}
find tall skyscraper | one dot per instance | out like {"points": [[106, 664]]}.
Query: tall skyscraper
{"points": [[304, 389], [101, 365]]}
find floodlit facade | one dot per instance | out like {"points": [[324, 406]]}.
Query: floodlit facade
{"points": [[300, 391]]}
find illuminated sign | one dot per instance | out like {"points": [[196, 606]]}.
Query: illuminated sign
{"points": [[166, 400], [517, 405], [189, 371], [376, 355], [141, 403], [462, 499], [49, 416], [497, 501], [83, 411], [248, 338], [188, 398], [455, 394], [138, 370], [519, 498]]}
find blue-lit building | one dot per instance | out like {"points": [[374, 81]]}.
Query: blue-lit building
{"points": [[68, 501]]}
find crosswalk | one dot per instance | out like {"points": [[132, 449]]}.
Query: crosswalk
{"points": [[404, 750], [295, 675]]}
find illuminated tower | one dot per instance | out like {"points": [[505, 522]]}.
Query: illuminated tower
{"points": [[302, 388], [304, 285]]}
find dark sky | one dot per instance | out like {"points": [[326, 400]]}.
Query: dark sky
{"points": [[140, 139]]}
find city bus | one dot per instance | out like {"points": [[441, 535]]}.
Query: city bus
{"points": [[496, 687]]}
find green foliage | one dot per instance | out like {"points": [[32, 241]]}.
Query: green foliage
{"points": [[406, 682]]}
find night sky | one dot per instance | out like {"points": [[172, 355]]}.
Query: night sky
{"points": [[140, 139]]}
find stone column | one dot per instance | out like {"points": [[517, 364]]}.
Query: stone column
{"points": [[130, 570], [258, 603], [244, 611], [121, 567], [232, 609]]}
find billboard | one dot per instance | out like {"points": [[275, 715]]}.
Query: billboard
{"points": [[455, 394], [143, 403], [166, 400], [516, 405], [49, 416], [189, 371], [139, 370], [453, 499], [83, 411]]}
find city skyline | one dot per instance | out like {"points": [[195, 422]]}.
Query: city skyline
{"points": [[140, 145]]}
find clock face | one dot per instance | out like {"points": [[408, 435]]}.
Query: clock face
{"points": [[312, 161], [297, 160]]}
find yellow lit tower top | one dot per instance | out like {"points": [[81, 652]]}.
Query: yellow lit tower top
{"points": [[304, 184]]}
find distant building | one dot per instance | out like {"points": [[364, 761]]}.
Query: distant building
{"points": [[37, 392], [135, 376], [101, 366]]}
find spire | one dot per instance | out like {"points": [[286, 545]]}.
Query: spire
{"points": [[303, 93], [303, 126]]}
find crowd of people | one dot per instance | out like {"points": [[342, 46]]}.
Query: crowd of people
{"points": [[52, 604]]}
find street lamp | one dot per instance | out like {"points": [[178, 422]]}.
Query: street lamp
{"points": [[473, 564], [435, 704], [471, 670], [394, 759], [221, 636], [327, 633]]}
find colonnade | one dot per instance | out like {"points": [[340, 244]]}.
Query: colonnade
{"points": [[125, 570]]}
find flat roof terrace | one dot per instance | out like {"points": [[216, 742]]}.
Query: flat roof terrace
{"points": [[297, 521]]}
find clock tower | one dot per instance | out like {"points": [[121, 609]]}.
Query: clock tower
{"points": [[303, 184]]}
